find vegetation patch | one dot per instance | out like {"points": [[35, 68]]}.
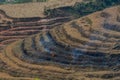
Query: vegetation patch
{"points": [[19, 1], [82, 8], [88, 20]]}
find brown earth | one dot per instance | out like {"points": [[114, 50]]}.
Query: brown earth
{"points": [[34, 9], [82, 49]]}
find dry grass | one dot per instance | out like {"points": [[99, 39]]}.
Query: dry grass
{"points": [[64, 35], [34, 9], [91, 28]]}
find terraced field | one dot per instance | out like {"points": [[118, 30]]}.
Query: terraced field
{"points": [[87, 48], [12, 29]]}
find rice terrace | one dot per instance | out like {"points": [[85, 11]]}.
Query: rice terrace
{"points": [[59, 39]]}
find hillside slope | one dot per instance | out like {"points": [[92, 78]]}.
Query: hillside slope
{"points": [[12, 29], [89, 44], [34, 9]]}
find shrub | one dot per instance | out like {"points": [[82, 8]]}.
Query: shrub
{"points": [[42, 0], [118, 18]]}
